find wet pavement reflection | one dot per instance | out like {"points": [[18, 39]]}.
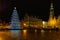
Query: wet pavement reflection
{"points": [[30, 35]]}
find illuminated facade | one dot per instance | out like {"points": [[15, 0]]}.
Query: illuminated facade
{"points": [[4, 25], [30, 21], [35, 22], [58, 22], [25, 21]]}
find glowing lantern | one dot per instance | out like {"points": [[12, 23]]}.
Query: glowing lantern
{"points": [[24, 24]]}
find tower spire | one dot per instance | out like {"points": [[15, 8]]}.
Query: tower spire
{"points": [[51, 10], [51, 6]]}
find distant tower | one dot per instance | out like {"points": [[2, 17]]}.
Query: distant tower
{"points": [[52, 18], [51, 15], [51, 11]]}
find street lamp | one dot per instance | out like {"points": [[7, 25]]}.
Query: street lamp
{"points": [[24, 24], [43, 23]]}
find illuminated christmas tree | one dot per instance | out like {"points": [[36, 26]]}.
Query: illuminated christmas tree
{"points": [[15, 24]]}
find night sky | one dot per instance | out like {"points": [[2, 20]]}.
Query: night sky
{"points": [[39, 8]]}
